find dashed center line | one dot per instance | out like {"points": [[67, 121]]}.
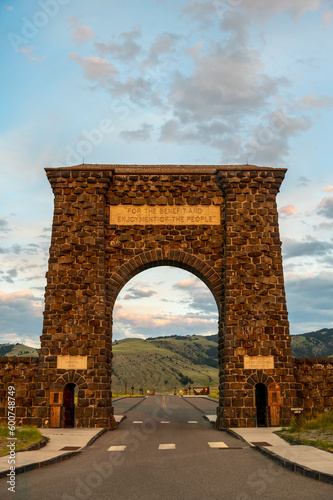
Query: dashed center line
{"points": [[218, 444], [192, 421], [165, 422], [117, 448], [170, 446], [137, 421]]}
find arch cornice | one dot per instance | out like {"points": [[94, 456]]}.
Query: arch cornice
{"points": [[176, 258], [66, 378]]}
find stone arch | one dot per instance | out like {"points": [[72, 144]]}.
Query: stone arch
{"points": [[258, 377], [68, 377], [175, 258], [219, 222]]}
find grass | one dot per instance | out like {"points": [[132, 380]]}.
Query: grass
{"points": [[316, 430], [25, 436]]}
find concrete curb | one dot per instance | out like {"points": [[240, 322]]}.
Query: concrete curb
{"points": [[53, 460], [294, 467], [189, 402], [285, 463], [292, 440], [137, 404]]}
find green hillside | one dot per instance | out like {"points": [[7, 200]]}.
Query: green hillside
{"points": [[161, 364], [317, 344], [9, 350]]}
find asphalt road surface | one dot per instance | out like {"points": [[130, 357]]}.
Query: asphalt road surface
{"points": [[165, 450]]}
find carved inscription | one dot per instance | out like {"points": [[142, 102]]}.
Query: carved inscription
{"points": [[163, 215], [72, 362], [258, 362]]}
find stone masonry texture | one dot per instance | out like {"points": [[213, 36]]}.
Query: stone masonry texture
{"points": [[91, 260]]}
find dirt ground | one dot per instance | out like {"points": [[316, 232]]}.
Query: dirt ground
{"points": [[313, 436]]}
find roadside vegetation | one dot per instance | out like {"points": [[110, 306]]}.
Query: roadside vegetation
{"points": [[25, 436], [316, 430]]}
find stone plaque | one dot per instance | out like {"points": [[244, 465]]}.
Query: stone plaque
{"points": [[72, 362], [124, 215], [258, 362]]}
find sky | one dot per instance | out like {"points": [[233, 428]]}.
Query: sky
{"points": [[166, 82]]}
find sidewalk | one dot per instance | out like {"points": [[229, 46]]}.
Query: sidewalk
{"points": [[308, 460], [63, 444]]}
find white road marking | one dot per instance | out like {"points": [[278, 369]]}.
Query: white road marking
{"points": [[117, 448], [192, 421], [218, 444], [165, 422], [170, 446], [137, 421]]}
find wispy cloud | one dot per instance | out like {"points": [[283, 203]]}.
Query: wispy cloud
{"points": [[325, 207], [288, 210]]}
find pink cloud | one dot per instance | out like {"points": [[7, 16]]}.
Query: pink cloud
{"points": [[328, 188], [189, 283], [28, 51], [23, 297], [288, 210], [82, 34], [95, 68]]}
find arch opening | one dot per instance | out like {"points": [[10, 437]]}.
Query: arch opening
{"points": [[170, 315], [260, 391], [69, 404]]}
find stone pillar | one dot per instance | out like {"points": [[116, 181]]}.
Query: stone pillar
{"points": [[255, 340], [76, 316]]}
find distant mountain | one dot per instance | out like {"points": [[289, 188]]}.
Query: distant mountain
{"points": [[317, 344], [163, 363], [9, 350]]}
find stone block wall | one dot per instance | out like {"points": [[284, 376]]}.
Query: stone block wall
{"points": [[314, 384], [75, 319], [91, 259], [254, 320], [20, 372]]}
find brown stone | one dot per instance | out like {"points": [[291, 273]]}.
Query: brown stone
{"points": [[240, 259]]}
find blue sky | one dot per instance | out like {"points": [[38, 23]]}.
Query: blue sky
{"points": [[163, 81]]}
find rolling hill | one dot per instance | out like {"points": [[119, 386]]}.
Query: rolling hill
{"points": [[163, 363]]}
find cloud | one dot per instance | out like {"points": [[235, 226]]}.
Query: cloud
{"points": [[82, 34], [138, 293], [310, 101], [224, 83], [309, 300], [303, 181], [30, 249], [142, 134], [20, 316], [126, 50], [206, 10], [198, 297], [4, 226], [95, 68], [152, 325], [312, 247], [9, 275], [163, 44], [28, 52], [8, 7], [328, 188], [326, 207], [288, 210]]}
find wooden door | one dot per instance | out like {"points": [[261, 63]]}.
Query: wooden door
{"points": [[55, 416]]}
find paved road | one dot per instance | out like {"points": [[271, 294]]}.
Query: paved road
{"points": [[165, 450]]}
